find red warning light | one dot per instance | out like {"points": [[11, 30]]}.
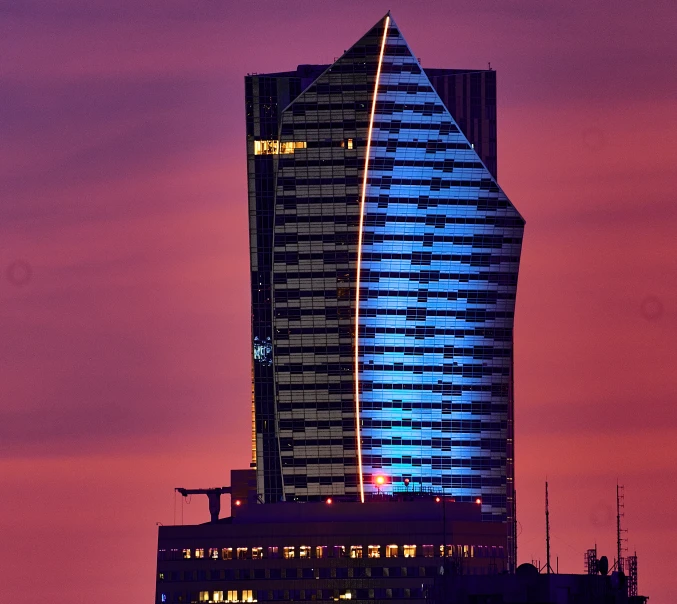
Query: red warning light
{"points": [[329, 501], [380, 480], [238, 502], [437, 500], [478, 501]]}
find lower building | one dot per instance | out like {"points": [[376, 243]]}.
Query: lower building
{"points": [[393, 548]]}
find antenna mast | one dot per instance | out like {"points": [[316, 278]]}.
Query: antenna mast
{"points": [[548, 568], [620, 505]]}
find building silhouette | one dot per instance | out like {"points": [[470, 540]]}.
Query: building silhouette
{"points": [[384, 262]]}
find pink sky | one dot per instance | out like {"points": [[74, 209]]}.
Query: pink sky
{"points": [[125, 355]]}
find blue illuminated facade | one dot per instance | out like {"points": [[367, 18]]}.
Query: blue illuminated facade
{"points": [[384, 271]]}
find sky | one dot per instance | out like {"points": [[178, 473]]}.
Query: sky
{"points": [[124, 267]]}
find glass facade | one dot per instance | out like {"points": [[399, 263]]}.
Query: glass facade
{"points": [[384, 272]]}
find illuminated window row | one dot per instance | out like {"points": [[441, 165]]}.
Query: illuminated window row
{"points": [[336, 551], [246, 595], [273, 147]]}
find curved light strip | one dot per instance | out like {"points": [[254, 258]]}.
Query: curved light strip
{"points": [[363, 201]]}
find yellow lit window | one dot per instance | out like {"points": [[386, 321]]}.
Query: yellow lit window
{"points": [[186, 553], [339, 551], [288, 552], [466, 551], [227, 553], [232, 596], [321, 551], [428, 551], [199, 552], [346, 595], [204, 596], [450, 551], [409, 551], [242, 553], [374, 551], [391, 551], [218, 596], [273, 551], [277, 147], [304, 551], [247, 595], [350, 143], [355, 551], [257, 553], [214, 553]]}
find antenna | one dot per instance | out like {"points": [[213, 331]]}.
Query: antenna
{"points": [[620, 547], [548, 568]]}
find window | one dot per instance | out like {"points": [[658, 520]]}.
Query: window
{"points": [[242, 553], [339, 551], [232, 596], [409, 551], [277, 147], [247, 595], [466, 551], [321, 551], [186, 554], [218, 596], [391, 551], [374, 551], [214, 553], [273, 552], [449, 553], [304, 551], [227, 553], [257, 553], [204, 596], [355, 551], [199, 552], [428, 551], [288, 552]]}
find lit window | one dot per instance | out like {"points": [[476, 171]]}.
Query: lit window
{"points": [[214, 553], [232, 596], [355, 551], [273, 552], [409, 551], [247, 595], [227, 553], [428, 551], [450, 551], [277, 147], [242, 553], [339, 551], [199, 552], [374, 551], [346, 596], [257, 553], [466, 551], [304, 551], [391, 551], [288, 552], [218, 596], [350, 143], [160, 576], [186, 553], [204, 596], [321, 551]]}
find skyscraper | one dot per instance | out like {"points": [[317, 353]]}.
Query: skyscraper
{"points": [[384, 261]]}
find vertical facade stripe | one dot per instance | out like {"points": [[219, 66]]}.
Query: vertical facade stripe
{"points": [[363, 201]]}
